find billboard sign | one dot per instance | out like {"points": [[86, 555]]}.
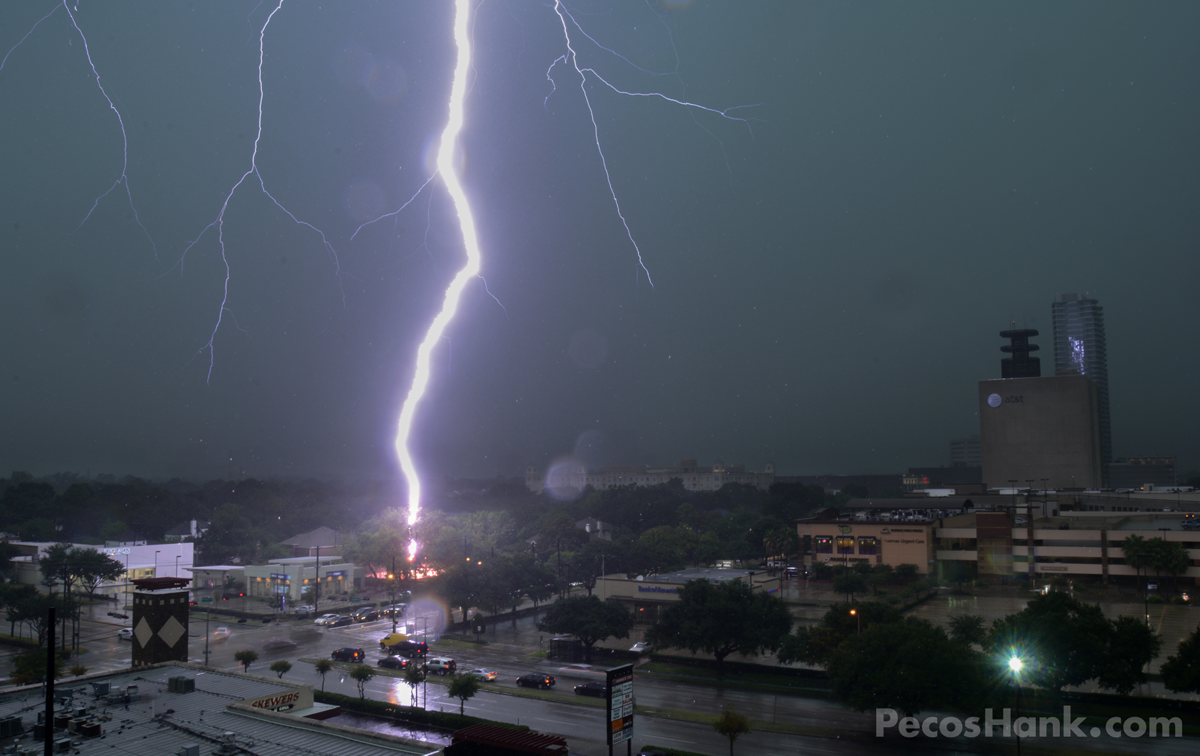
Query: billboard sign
{"points": [[620, 703]]}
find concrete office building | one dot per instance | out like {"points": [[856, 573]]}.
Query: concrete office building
{"points": [[1045, 430], [1079, 346]]}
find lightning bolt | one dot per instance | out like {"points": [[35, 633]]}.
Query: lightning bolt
{"points": [[466, 221], [219, 221], [123, 178]]}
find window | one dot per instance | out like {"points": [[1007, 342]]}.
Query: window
{"points": [[824, 544], [868, 545], [845, 544]]}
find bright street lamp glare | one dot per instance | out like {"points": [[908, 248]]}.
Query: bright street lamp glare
{"points": [[1015, 664]]}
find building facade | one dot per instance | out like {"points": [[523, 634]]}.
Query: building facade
{"points": [[1079, 346], [849, 542], [1045, 430]]}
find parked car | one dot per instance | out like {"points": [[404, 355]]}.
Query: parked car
{"points": [[641, 648], [597, 689], [409, 648], [366, 614], [534, 680], [486, 675], [438, 665], [125, 633], [394, 662], [340, 621], [324, 619], [348, 654]]}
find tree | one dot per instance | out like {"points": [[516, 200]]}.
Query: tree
{"points": [[589, 619], [414, 675], [881, 574], [246, 657], [906, 573], [78, 670], [732, 725], [849, 583], [30, 667], [968, 629], [7, 552], [815, 645], [1131, 647], [1181, 671], [283, 666], [93, 568], [1136, 555], [909, 665], [462, 687], [1066, 639], [722, 619], [362, 674], [323, 666]]}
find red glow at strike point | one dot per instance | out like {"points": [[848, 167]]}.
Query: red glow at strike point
{"points": [[466, 221]]}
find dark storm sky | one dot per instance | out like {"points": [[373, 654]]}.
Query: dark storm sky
{"points": [[828, 289]]}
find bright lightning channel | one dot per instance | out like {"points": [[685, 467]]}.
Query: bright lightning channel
{"points": [[466, 221]]}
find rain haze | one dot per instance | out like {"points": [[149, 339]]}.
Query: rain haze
{"points": [[829, 274]]}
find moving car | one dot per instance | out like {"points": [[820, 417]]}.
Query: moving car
{"points": [[125, 633], [394, 662], [441, 666], [409, 648], [486, 675], [597, 689], [339, 621], [395, 610], [581, 670], [348, 654], [279, 645], [641, 648], [324, 619], [220, 634], [534, 680], [366, 614]]}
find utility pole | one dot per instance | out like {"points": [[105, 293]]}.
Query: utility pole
{"points": [[393, 576], [317, 582]]}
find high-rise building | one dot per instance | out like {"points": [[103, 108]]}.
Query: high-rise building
{"points": [[1079, 347]]}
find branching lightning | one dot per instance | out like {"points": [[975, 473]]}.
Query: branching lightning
{"points": [[123, 178], [219, 221], [571, 59], [466, 221], [445, 168]]}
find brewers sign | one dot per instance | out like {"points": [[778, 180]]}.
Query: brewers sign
{"points": [[620, 704]]}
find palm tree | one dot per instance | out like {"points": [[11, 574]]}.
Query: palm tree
{"points": [[1175, 561], [1134, 549]]}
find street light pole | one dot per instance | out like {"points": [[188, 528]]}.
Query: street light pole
{"points": [[177, 565], [1015, 664], [858, 619]]}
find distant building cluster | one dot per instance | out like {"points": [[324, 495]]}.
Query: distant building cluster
{"points": [[694, 477]]}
